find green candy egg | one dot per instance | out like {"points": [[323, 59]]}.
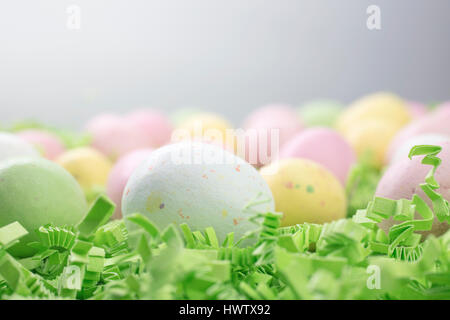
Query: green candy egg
{"points": [[320, 113], [36, 192]]}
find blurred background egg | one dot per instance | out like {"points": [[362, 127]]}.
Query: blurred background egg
{"points": [[403, 178], [36, 192], [320, 112], [120, 173], [378, 106], [205, 126], [435, 122], [305, 191], [12, 146], [259, 127], [153, 125], [88, 166], [182, 114], [199, 184], [47, 143], [324, 146], [402, 151], [417, 109], [370, 140]]}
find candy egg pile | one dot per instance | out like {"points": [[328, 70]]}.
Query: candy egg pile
{"points": [[219, 210]]}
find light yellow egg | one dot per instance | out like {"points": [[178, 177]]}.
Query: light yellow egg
{"points": [[208, 127], [88, 166], [371, 139], [378, 106], [305, 191]]}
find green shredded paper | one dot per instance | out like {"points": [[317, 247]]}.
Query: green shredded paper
{"points": [[346, 259]]}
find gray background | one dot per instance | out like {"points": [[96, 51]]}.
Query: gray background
{"points": [[227, 56]]}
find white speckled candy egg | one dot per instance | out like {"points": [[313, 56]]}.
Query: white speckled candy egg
{"points": [[12, 146], [199, 184]]}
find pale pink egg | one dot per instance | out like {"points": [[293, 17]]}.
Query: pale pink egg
{"points": [[116, 135], [402, 180], [120, 173], [49, 144], [153, 124], [277, 121], [417, 109], [435, 122], [324, 146]]}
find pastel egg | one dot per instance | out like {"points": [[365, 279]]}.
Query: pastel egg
{"points": [[277, 121], [49, 144], [153, 125], [89, 167], [120, 173], [12, 146], [370, 140], [206, 126], [417, 109], [402, 151], [403, 178], [379, 106], [199, 184], [111, 135], [35, 192], [305, 191], [436, 122], [115, 135], [182, 114], [324, 146], [320, 112]]}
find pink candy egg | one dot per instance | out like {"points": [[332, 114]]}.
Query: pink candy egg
{"points": [[402, 180], [116, 135], [435, 122], [47, 143], [120, 173], [324, 146], [153, 124], [417, 109], [260, 125]]}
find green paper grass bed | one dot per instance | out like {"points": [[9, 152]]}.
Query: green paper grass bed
{"points": [[346, 259]]}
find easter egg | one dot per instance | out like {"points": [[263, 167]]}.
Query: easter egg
{"points": [[111, 135], [198, 184], [35, 192], [320, 112], [379, 106], [153, 125], [120, 173], [12, 146], [181, 115], [209, 127], [88, 166], [402, 151], [370, 140], [266, 130], [49, 144], [435, 122], [324, 146], [403, 178], [305, 191], [115, 135], [417, 109]]}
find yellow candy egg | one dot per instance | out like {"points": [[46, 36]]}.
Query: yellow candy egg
{"points": [[305, 191], [379, 106], [371, 139], [88, 166], [208, 127]]}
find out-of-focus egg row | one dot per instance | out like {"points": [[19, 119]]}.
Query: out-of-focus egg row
{"points": [[318, 144]]}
